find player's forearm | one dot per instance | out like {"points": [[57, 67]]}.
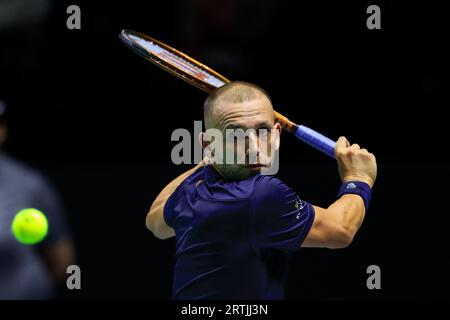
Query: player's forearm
{"points": [[349, 212]]}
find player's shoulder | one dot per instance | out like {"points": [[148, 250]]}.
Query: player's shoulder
{"points": [[189, 183], [269, 184], [268, 189]]}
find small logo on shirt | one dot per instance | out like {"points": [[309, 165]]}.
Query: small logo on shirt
{"points": [[299, 205], [351, 185]]}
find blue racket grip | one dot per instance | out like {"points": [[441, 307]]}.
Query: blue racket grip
{"points": [[315, 140]]}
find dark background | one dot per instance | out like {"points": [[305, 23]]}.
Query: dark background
{"points": [[97, 119]]}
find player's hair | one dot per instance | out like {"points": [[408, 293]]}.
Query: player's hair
{"points": [[233, 92]]}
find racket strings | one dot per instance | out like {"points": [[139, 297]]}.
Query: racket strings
{"points": [[178, 61]]}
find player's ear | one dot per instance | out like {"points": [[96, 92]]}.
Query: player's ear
{"points": [[277, 129], [205, 142], [203, 139]]}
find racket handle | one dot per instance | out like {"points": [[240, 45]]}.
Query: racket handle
{"points": [[315, 140]]}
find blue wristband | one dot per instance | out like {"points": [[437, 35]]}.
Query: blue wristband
{"points": [[357, 187]]}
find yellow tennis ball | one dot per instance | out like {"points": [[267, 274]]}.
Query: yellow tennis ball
{"points": [[29, 226]]}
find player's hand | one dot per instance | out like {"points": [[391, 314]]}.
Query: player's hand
{"points": [[355, 163]]}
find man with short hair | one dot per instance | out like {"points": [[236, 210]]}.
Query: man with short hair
{"points": [[235, 227]]}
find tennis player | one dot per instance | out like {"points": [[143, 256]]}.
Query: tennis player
{"points": [[235, 227]]}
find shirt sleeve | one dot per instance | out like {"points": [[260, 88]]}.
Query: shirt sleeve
{"points": [[279, 219]]}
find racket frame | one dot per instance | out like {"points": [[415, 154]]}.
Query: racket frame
{"points": [[167, 66]]}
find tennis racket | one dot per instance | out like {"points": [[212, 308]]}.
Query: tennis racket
{"points": [[203, 77]]}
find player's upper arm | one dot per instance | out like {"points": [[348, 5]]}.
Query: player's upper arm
{"points": [[327, 231]]}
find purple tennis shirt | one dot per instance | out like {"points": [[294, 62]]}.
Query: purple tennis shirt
{"points": [[234, 238]]}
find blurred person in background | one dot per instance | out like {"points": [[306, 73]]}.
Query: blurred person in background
{"points": [[30, 271]]}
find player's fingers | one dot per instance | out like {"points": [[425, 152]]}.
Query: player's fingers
{"points": [[341, 144], [355, 147]]}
